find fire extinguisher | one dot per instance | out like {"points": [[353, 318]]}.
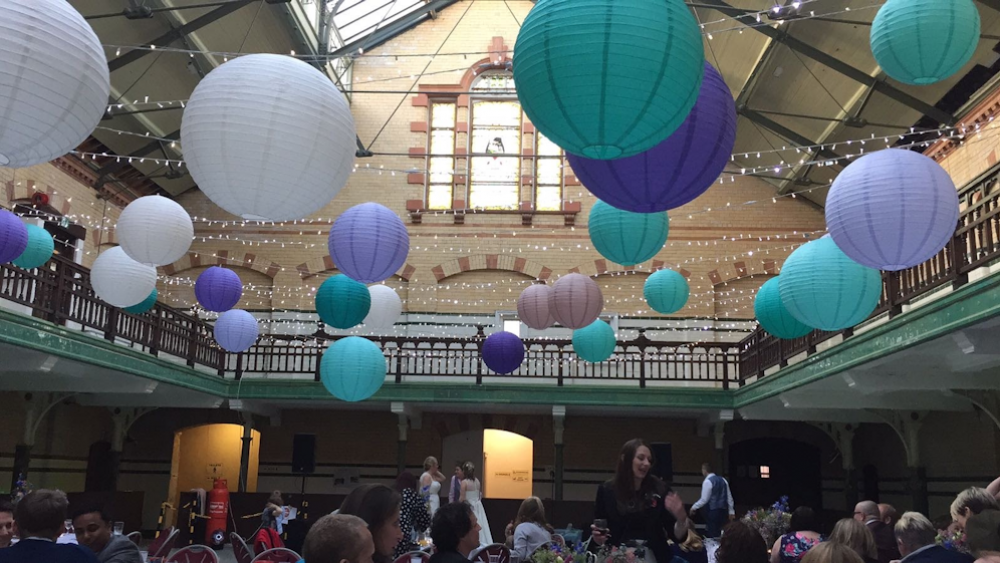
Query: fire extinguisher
{"points": [[218, 515]]}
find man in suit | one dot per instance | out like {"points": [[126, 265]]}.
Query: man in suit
{"points": [[717, 499], [887, 513], [915, 537], [867, 513], [38, 521], [339, 538], [455, 490], [93, 531]]}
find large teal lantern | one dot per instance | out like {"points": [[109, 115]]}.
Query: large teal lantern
{"points": [[39, 250], [342, 302], [925, 41], [772, 314], [625, 237], [594, 342], [666, 291], [823, 288], [608, 79], [145, 305], [352, 369]]}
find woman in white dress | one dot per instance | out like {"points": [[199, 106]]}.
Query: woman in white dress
{"points": [[430, 484], [472, 493]]}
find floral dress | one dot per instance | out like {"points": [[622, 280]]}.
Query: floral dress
{"points": [[794, 547]]}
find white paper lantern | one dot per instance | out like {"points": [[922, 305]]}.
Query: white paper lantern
{"points": [[54, 81], [268, 137], [155, 230], [385, 309], [120, 280]]}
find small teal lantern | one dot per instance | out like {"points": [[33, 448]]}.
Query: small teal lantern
{"points": [[772, 314], [342, 302], [352, 369], [625, 237], [666, 291], [39, 250], [823, 288], [921, 42], [145, 305], [594, 343]]}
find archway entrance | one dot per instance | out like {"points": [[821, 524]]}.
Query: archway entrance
{"points": [[763, 470]]}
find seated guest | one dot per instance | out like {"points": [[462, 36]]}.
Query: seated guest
{"points": [[6, 523], [529, 531], [338, 538], [801, 537], [93, 530], [740, 544], [972, 501], [856, 536], [39, 520], [916, 538], [887, 513], [982, 533], [455, 532], [379, 506], [830, 552], [867, 513]]}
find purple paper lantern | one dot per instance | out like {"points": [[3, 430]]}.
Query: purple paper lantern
{"points": [[369, 243], [576, 301], [533, 307], [218, 289], [679, 169], [503, 352], [13, 236], [236, 330]]}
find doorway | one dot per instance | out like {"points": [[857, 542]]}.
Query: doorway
{"points": [[763, 470]]}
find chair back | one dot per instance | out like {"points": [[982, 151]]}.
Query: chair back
{"points": [[135, 537], [498, 549], [240, 549], [277, 555], [194, 554], [164, 548], [558, 540], [159, 540], [408, 557]]}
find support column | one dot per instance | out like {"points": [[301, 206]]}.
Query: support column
{"points": [[907, 427], [558, 428], [247, 441], [36, 407], [122, 419], [843, 436], [719, 463], [403, 427]]}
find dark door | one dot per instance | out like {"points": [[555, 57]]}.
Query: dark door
{"points": [[763, 470]]}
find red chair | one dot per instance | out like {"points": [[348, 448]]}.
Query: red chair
{"points": [[498, 549], [163, 545], [240, 549], [277, 555], [408, 557], [194, 554]]}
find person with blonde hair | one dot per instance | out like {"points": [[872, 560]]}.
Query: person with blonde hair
{"points": [[857, 537], [916, 538], [472, 493], [431, 482], [832, 552], [970, 502], [529, 530]]}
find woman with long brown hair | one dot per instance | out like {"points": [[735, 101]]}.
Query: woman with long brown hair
{"points": [[529, 530], [857, 537], [379, 506]]}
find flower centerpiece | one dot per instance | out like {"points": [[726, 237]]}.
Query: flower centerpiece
{"points": [[772, 522], [954, 541], [622, 554], [22, 488], [572, 553]]}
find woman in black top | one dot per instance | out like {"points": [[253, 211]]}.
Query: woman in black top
{"points": [[639, 506]]}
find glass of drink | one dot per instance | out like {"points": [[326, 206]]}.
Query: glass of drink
{"points": [[119, 528], [68, 526]]}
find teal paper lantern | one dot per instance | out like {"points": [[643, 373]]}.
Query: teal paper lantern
{"points": [[772, 314], [925, 41], [39, 250], [595, 342], [342, 302], [146, 304], [625, 237], [823, 288], [352, 369], [666, 291], [608, 79]]}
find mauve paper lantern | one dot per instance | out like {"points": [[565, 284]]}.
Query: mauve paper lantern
{"points": [[666, 291], [342, 302], [386, 307], [533, 307], [625, 237], [268, 137], [892, 209], [146, 305], [676, 171], [823, 288], [503, 352], [120, 280], [218, 289], [772, 314], [575, 301], [39, 250], [13, 236], [594, 343], [925, 41], [369, 243], [236, 330], [155, 230], [608, 78], [352, 369], [54, 81]]}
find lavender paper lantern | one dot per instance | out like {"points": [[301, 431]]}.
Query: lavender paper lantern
{"points": [[533, 307], [576, 301], [369, 243], [503, 352], [13, 236], [218, 289], [677, 170], [236, 330]]}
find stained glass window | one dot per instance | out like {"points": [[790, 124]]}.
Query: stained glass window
{"points": [[441, 162], [548, 175], [496, 132]]}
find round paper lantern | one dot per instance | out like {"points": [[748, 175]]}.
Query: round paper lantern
{"points": [[236, 330], [218, 289], [608, 78], [676, 171], [352, 369], [39, 250], [772, 314], [268, 137], [385, 307], [342, 302], [595, 343], [823, 288], [146, 305], [575, 301], [369, 243], [533, 307], [55, 82], [503, 352], [624, 237], [155, 230], [666, 291], [13, 236], [892, 209], [120, 280], [924, 41]]}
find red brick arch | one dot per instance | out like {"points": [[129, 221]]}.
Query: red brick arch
{"points": [[319, 264], [601, 266], [219, 257], [506, 262]]}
